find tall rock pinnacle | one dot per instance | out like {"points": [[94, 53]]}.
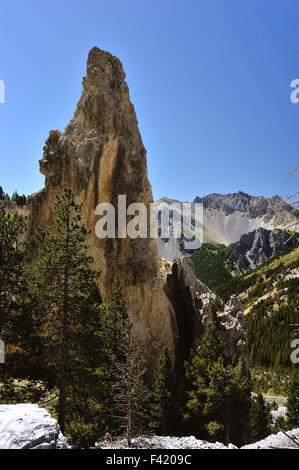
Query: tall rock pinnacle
{"points": [[100, 155]]}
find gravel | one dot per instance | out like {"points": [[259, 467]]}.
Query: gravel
{"points": [[279, 440]]}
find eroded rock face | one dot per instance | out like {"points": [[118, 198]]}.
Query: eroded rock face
{"points": [[100, 155], [26, 426], [191, 300], [253, 206], [254, 248], [228, 217], [232, 321]]}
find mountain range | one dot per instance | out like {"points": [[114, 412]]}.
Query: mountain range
{"points": [[227, 218]]}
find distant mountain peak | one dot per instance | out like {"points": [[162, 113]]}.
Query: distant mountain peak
{"points": [[253, 206]]}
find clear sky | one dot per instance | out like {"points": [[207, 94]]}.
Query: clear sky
{"points": [[210, 81]]}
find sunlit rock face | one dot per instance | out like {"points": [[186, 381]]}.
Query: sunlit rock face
{"points": [[100, 155], [228, 217], [27, 426]]}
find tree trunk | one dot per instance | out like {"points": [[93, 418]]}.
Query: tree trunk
{"points": [[64, 346], [129, 426]]}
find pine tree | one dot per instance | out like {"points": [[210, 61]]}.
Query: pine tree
{"points": [[13, 293], [12, 256], [130, 394], [218, 392], [62, 280], [162, 407], [116, 320], [129, 398], [260, 419], [89, 386], [293, 401]]}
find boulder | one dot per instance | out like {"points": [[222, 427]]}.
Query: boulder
{"points": [[27, 426]]}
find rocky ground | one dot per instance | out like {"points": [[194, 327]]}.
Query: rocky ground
{"points": [[162, 442], [279, 440], [26, 426]]}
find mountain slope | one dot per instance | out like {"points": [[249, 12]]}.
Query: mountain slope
{"points": [[215, 264], [227, 217], [270, 298]]}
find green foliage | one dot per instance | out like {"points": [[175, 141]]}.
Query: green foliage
{"points": [[260, 419], [262, 278], [211, 264], [162, 407], [268, 319], [69, 319], [216, 306], [19, 200], [218, 392], [3, 196], [12, 257], [269, 381], [116, 318], [293, 401], [130, 395], [268, 327]]}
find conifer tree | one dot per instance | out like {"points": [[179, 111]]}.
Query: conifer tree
{"points": [[12, 288], [129, 395], [116, 320], [12, 255], [293, 401], [218, 392], [260, 419], [162, 407], [62, 280]]}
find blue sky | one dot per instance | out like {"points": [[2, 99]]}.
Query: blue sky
{"points": [[210, 81]]}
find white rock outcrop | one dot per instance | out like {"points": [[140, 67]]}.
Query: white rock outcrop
{"points": [[278, 441], [27, 426]]}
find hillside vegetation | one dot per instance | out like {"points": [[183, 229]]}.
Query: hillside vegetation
{"points": [[211, 264], [270, 299]]}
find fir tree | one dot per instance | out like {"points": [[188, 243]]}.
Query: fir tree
{"points": [[293, 401], [260, 419], [162, 407]]}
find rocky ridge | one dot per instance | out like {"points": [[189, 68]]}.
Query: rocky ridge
{"points": [[255, 248], [100, 156], [227, 217]]}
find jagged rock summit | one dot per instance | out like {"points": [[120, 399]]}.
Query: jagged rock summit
{"points": [[226, 217], [100, 155]]}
